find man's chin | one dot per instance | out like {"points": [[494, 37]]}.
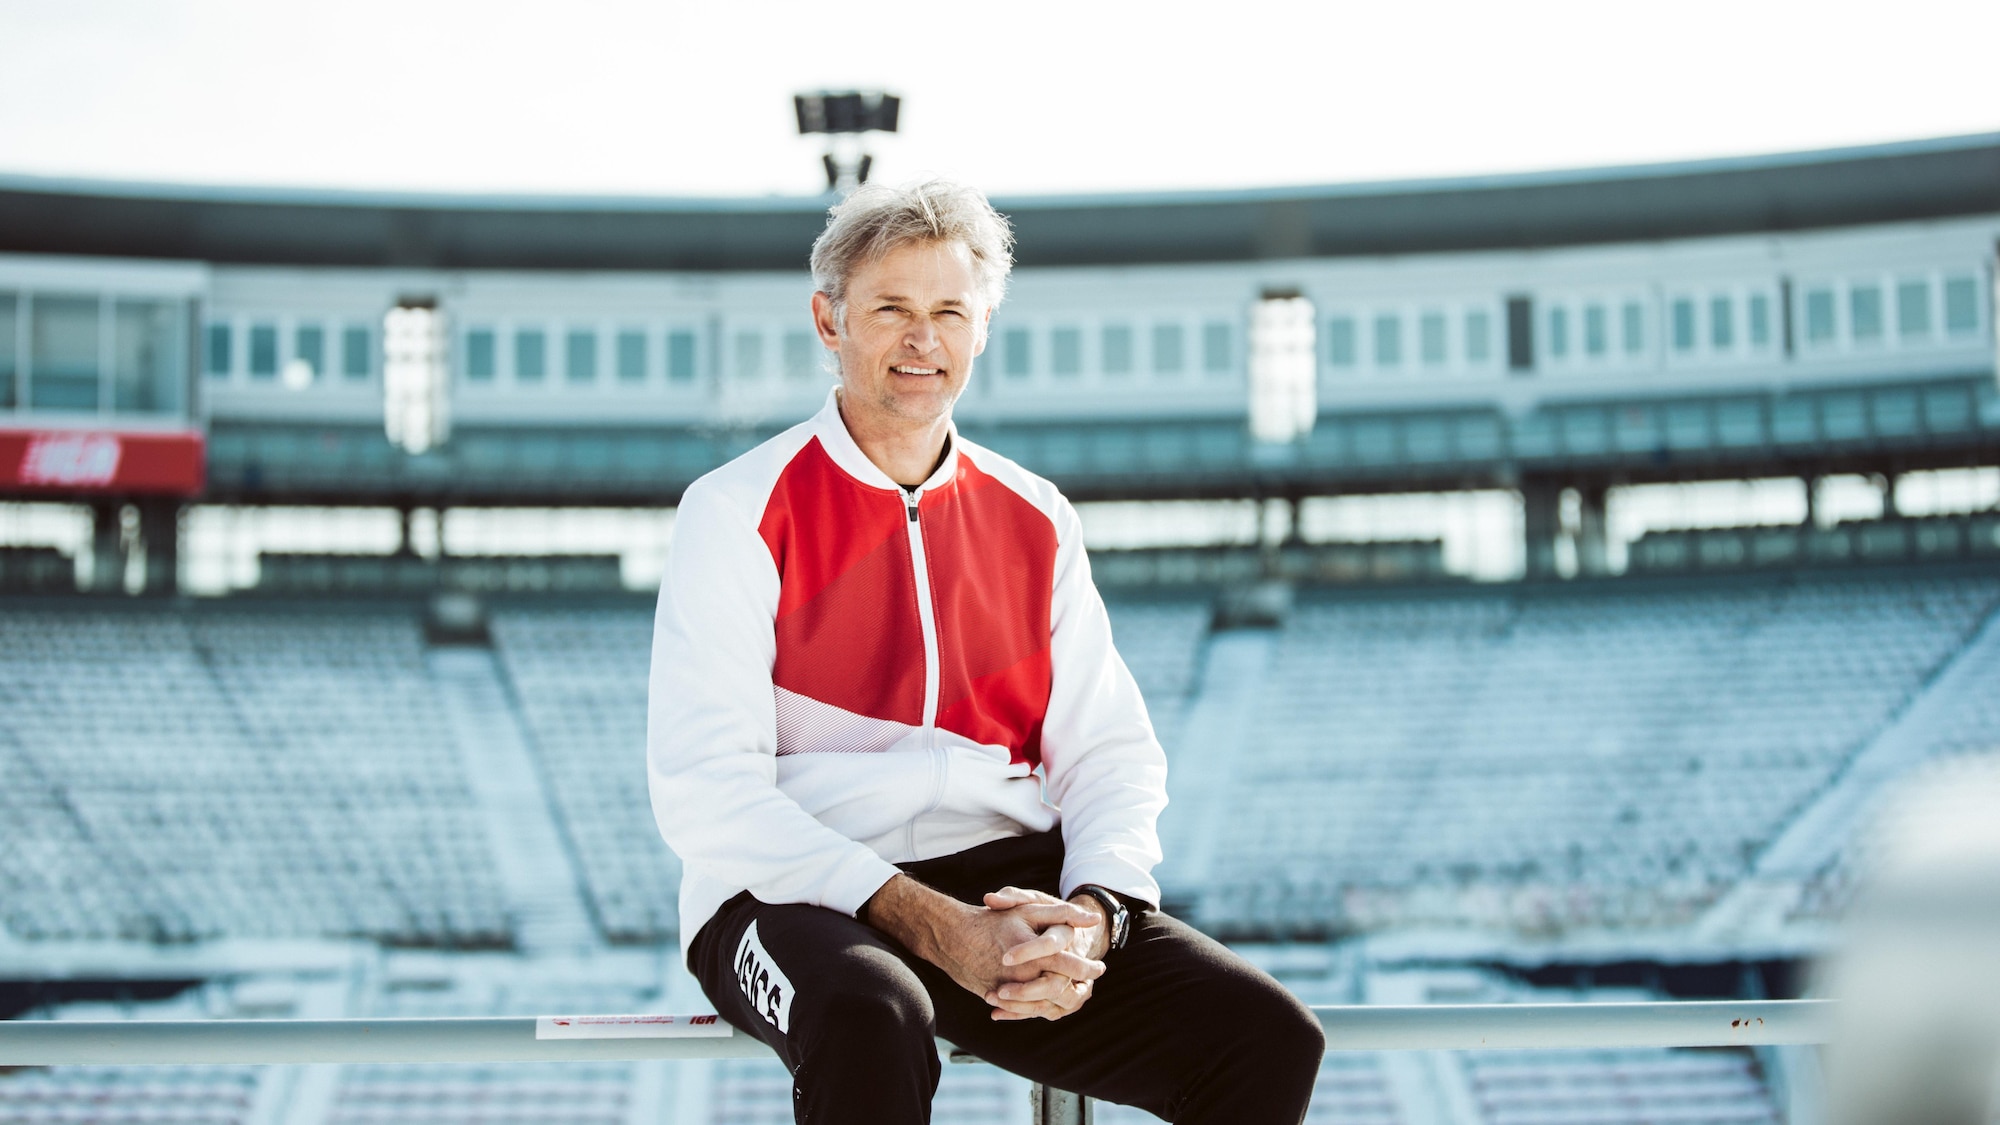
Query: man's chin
{"points": [[922, 408]]}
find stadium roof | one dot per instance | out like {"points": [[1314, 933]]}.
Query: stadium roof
{"points": [[1836, 187]]}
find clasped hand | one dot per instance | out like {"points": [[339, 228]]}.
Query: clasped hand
{"points": [[1029, 954]]}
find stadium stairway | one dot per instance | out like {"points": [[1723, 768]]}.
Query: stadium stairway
{"points": [[1757, 908], [1202, 767], [538, 874]]}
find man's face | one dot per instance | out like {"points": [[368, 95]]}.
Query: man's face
{"points": [[914, 320]]}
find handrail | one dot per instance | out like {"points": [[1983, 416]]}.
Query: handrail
{"points": [[1744, 1023]]}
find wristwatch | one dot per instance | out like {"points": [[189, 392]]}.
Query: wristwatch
{"points": [[1114, 913]]}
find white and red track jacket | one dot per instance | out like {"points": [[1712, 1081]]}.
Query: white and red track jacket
{"points": [[848, 675]]}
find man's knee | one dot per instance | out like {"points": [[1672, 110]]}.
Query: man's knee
{"points": [[1275, 1022], [891, 1013], [870, 1003], [1293, 1033]]}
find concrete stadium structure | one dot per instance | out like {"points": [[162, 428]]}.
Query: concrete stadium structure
{"points": [[1788, 315]]}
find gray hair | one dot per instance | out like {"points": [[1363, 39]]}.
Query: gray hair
{"points": [[876, 219]]}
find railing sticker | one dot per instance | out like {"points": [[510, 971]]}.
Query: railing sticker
{"points": [[632, 1027]]}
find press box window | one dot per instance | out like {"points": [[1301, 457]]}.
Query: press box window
{"points": [[216, 347], [1819, 316], [1721, 323], [1430, 339], [1595, 334], [801, 351], [1340, 342], [1478, 337], [10, 328], [580, 356], [631, 356], [1913, 309], [1218, 348], [481, 355], [1066, 351], [63, 360], [749, 355], [1634, 316], [1558, 332], [1683, 316], [1167, 350], [680, 357], [1520, 334], [1017, 352], [531, 356], [355, 364], [1864, 311], [1116, 341], [308, 356], [1760, 321], [1388, 341], [1961, 305], [263, 351], [148, 356]]}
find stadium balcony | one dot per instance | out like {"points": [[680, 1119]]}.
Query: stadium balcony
{"points": [[1941, 423]]}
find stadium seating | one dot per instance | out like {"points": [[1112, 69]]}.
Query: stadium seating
{"points": [[1534, 759], [1618, 1087], [580, 676], [509, 1094], [232, 771], [1160, 640], [1537, 760], [137, 1095]]}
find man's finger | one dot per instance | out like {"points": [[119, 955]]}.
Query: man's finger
{"points": [[1007, 898], [1048, 986], [1062, 997], [1024, 894], [1068, 963], [1040, 914], [1048, 943]]}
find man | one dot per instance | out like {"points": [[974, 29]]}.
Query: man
{"points": [[913, 787]]}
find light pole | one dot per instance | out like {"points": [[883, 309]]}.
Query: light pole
{"points": [[844, 117]]}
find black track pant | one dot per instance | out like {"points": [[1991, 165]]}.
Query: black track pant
{"points": [[1178, 1025]]}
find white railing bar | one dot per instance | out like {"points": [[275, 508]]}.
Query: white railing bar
{"points": [[1745, 1023]]}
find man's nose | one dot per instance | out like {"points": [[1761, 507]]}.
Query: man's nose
{"points": [[922, 335]]}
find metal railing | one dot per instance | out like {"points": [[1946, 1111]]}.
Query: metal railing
{"points": [[1750, 1023]]}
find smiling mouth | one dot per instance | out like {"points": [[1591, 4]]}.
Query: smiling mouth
{"points": [[911, 369]]}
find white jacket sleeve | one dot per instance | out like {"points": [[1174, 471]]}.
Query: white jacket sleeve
{"points": [[1105, 768], [711, 725]]}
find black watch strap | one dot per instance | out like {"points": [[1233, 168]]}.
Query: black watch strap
{"points": [[1114, 913]]}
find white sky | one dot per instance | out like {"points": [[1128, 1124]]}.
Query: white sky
{"points": [[591, 96]]}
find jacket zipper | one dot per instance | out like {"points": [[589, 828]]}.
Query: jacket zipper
{"points": [[926, 612], [927, 617]]}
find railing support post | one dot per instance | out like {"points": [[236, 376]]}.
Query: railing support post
{"points": [[1058, 1107]]}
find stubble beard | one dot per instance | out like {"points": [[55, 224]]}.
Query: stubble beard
{"points": [[928, 410]]}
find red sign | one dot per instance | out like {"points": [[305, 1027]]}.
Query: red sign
{"points": [[126, 463]]}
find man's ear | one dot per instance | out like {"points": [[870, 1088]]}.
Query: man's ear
{"points": [[825, 321], [985, 331]]}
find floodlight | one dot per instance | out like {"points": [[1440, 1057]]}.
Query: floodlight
{"points": [[414, 377], [1284, 398], [849, 112], [843, 117]]}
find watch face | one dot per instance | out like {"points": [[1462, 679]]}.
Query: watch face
{"points": [[1115, 913]]}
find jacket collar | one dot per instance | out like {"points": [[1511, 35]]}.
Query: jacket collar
{"points": [[831, 430]]}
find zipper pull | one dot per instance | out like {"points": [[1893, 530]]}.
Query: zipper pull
{"points": [[910, 500]]}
